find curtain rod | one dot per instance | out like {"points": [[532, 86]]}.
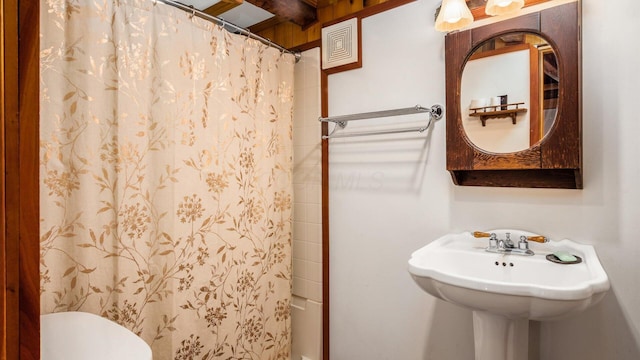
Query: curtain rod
{"points": [[226, 24]]}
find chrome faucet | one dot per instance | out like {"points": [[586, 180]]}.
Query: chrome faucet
{"points": [[508, 242], [507, 246]]}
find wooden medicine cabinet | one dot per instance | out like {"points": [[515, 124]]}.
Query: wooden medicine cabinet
{"points": [[544, 148]]}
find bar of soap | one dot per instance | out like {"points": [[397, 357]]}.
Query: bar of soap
{"points": [[564, 256]]}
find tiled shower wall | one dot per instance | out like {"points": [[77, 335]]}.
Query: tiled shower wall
{"points": [[307, 218]]}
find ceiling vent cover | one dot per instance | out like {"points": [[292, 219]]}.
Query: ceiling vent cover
{"points": [[340, 44]]}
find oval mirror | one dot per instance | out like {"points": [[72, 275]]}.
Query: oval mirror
{"points": [[509, 92]]}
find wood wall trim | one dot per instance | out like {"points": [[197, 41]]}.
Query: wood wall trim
{"points": [[324, 109], [28, 186], [307, 46], [11, 181], [382, 7], [369, 11], [20, 113], [3, 254]]}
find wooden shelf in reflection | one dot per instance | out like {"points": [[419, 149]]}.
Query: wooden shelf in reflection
{"points": [[499, 111]]}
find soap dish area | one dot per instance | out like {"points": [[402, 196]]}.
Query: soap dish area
{"points": [[554, 259]]}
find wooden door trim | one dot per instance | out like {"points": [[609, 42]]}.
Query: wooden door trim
{"points": [[20, 208], [10, 83], [28, 186]]}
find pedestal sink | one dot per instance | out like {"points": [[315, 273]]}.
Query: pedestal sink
{"points": [[505, 291]]}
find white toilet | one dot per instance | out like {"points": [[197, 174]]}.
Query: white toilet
{"points": [[85, 336]]}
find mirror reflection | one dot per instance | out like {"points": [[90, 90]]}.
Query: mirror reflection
{"points": [[509, 92]]}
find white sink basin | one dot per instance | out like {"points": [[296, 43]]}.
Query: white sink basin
{"points": [[456, 268], [503, 287]]}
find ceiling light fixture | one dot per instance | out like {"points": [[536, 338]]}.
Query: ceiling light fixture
{"points": [[454, 15], [501, 7]]}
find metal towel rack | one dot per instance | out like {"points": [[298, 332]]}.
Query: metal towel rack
{"points": [[435, 112]]}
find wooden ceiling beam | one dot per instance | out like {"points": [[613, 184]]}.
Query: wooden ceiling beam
{"points": [[266, 24], [325, 3], [372, 2], [313, 3], [296, 11], [221, 7]]}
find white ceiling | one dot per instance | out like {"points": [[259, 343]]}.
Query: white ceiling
{"points": [[244, 15]]}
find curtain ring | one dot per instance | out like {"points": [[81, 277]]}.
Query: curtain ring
{"points": [[155, 2], [193, 12]]}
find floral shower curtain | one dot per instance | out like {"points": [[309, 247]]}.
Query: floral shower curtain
{"points": [[165, 166]]}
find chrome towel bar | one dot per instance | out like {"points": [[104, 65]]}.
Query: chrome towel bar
{"points": [[434, 112]]}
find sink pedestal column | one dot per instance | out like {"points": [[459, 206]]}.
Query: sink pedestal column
{"points": [[500, 338]]}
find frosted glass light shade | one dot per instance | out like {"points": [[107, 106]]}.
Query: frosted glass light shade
{"points": [[454, 15], [500, 7]]}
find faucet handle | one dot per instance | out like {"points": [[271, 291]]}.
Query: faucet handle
{"points": [[493, 239], [480, 234], [538, 238], [523, 244]]}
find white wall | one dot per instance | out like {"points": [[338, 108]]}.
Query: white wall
{"points": [[389, 197]]}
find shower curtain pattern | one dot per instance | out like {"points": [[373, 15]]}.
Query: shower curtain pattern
{"points": [[166, 178]]}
